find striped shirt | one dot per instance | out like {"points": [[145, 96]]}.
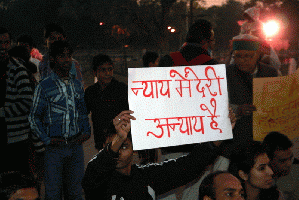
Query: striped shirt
{"points": [[59, 109], [18, 101]]}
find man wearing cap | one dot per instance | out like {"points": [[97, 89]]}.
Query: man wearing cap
{"points": [[247, 54]]}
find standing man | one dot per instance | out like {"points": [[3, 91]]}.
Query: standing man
{"points": [[52, 33], [105, 99], [59, 118], [15, 102], [196, 50]]}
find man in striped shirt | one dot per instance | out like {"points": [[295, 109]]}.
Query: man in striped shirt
{"points": [[15, 102]]}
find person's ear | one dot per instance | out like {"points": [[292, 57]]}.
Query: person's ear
{"points": [[243, 175], [206, 198]]}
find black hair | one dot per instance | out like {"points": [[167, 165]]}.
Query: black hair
{"points": [[276, 141], [50, 28], [99, 60], [207, 187], [148, 57], [24, 38], [10, 182], [57, 48], [20, 52], [244, 158], [199, 31]]}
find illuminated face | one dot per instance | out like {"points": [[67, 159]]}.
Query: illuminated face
{"points": [[282, 162], [54, 36], [125, 159], [4, 47], [246, 60], [104, 73], [260, 175], [25, 194], [228, 187], [63, 64]]}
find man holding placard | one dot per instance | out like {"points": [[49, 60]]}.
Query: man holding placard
{"points": [[111, 174]]}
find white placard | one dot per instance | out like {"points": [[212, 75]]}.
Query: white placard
{"points": [[178, 105]]}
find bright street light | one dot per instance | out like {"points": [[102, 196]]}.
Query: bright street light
{"points": [[271, 28]]}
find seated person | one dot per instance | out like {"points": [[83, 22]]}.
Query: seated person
{"points": [[111, 175], [15, 186], [250, 164], [283, 164], [220, 185]]}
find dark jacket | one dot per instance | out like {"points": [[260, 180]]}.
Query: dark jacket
{"points": [[240, 91], [104, 105], [102, 181]]}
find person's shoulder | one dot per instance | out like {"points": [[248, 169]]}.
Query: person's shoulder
{"points": [[91, 88]]}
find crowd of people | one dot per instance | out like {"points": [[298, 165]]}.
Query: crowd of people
{"points": [[45, 117]]}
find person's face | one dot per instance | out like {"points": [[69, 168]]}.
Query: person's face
{"points": [[125, 159], [282, 162], [260, 175], [104, 73], [63, 64], [54, 36], [25, 194], [246, 60], [228, 187], [211, 43], [5, 45]]}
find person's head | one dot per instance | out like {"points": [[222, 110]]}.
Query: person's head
{"points": [[20, 52], [15, 186], [220, 185], [250, 164], [279, 150], [102, 66], [5, 44], [60, 53], [26, 41], [246, 52], [150, 59], [125, 158], [256, 29], [201, 32], [52, 33]]}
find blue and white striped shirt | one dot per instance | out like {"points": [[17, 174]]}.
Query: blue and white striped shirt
{"points": [[59, 109]]}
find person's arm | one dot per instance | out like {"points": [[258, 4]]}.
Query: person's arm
{"points": [[36, 116], [171, 174], [22, 104], [101, 167]]}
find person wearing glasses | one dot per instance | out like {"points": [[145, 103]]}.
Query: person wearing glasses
{"points": [[247, 53], [106, 98]]}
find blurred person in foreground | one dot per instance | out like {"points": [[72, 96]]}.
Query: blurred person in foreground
{"points": [[16, 186], [221, 185], [106, 98], [111, 174], [285, 167], [251, 165], [59, 119]]}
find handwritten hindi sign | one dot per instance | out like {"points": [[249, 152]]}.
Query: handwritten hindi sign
{"points": [[277, 103], [178, 105]]}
